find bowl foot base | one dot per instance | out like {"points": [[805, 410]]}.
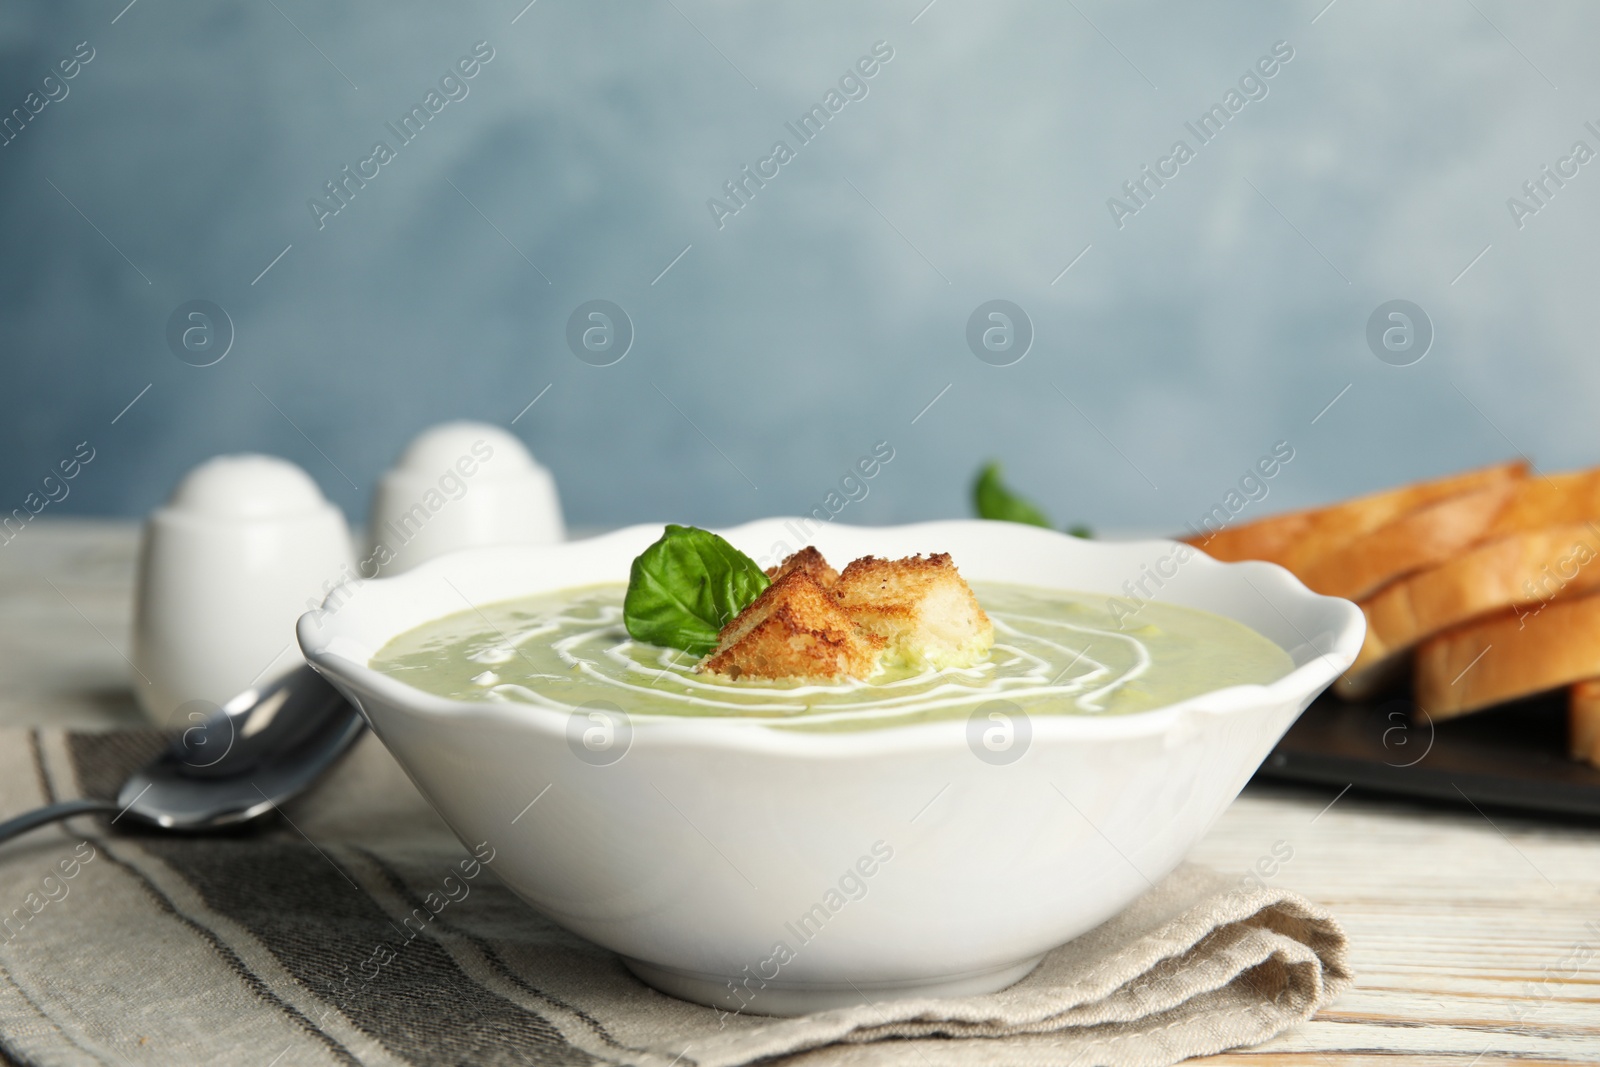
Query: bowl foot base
{"points": [[748, 996]]}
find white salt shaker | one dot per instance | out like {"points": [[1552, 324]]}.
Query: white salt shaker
{"points": [[245, 544], [459, 485]]}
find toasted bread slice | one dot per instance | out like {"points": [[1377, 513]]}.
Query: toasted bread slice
{"points": [[1298, 539], [808, 559], [1523, 570], [1506, 657], [1583, 721], [1549, 500], [920, 606], [1270, 538], [1423, 538], [794, 629]]}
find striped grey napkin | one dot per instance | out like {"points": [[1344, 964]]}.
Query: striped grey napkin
{"points": [[360, 931]]}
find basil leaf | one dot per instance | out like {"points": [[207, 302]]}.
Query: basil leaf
{"points": [[994, 500], [685, 588]]}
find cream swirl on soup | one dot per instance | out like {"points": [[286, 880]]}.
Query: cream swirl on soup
{"points": [[1055, 652]]}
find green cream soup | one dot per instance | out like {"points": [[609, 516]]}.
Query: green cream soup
{"points": [[1054, 652]]}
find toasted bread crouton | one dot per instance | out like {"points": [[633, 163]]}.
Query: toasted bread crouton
{"points": [[920, 606], [794, 630], [808, 559]]}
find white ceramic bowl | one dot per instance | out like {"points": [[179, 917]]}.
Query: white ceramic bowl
{"points": [[775, 872]]}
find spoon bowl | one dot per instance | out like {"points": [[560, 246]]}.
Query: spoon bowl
{"points": [[233, 767]]}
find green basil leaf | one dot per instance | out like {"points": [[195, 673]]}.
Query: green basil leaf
{"points": [[685, 588], [994, 500]]}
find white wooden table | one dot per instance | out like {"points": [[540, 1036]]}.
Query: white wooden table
{"points": [[1475, 942]]}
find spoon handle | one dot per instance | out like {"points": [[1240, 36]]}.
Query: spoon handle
{"points": [[51, 813]]}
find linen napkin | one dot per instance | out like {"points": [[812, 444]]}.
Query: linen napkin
{"points": [[300, 945]]}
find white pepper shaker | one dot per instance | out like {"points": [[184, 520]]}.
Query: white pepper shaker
{"points": [[459, 485], [245, 544]]}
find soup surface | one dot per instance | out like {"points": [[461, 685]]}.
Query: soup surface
{"points": [[1055, 652]]}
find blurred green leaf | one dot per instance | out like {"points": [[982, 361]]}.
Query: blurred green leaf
{"points": [[993, 499]]}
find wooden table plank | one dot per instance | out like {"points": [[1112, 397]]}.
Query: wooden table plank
{"points": [[1472, 939], [66, 608]]}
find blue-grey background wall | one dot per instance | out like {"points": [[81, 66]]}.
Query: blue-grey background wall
{"points": [[1222, 316]]}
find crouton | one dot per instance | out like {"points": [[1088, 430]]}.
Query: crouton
{"points": [[808, 559], [794, 630], [920, 606]]}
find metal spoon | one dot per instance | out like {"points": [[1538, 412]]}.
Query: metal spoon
{"points": [[235, 766]]}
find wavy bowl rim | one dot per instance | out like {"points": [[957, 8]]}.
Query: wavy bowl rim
{"points": [[318, 628]]}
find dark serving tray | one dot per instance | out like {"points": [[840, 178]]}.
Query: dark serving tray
{"points": [[1513, 756]]}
